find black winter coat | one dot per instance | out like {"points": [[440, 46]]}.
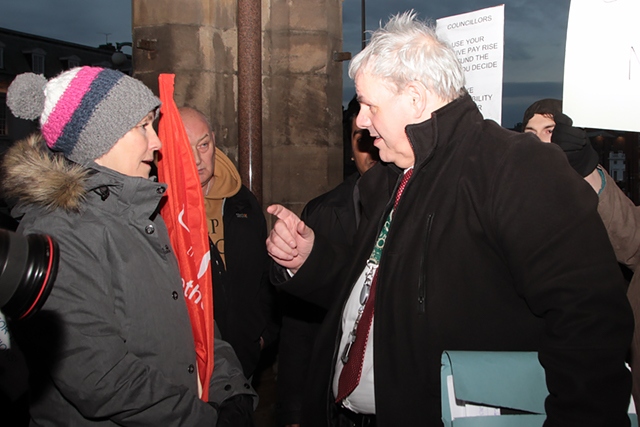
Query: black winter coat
{"points": [[244, 300], [332, 214], [496, 245]]}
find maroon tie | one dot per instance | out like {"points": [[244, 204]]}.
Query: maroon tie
{"points": [[352, 370]]}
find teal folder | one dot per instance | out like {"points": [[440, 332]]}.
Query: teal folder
{"points": [[479, 383]]}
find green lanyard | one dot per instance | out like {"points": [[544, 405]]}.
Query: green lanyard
{"points": [[372, 266], [382, 237]]}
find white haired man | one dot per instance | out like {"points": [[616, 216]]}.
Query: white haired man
{"points": [[484, 251]]}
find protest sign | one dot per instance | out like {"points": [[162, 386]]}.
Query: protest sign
{"points": [[602, 65], [478, 40]]}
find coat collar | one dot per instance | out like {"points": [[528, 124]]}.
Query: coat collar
{"points": [[139, 195], [439, 132], [34, 176]]}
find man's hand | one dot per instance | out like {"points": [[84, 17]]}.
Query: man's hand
{"points": [[575, 144], [290, 240]]}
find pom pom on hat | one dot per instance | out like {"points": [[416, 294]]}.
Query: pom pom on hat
{"points": [[25, 96]]}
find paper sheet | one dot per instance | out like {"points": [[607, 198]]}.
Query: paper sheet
{"points": [[478, 40]]}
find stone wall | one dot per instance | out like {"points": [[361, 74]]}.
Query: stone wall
{"points": [[301, 83]]}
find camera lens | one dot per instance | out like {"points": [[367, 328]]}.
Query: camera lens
{"points": [[28, 267]]}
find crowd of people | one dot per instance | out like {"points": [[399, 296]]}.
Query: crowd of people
{"points": [[453, 234]]}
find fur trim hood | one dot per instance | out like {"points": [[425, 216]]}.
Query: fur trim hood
{"points": [[32, 174]]}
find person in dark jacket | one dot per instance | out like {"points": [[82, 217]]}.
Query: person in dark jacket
{"points": [[244, 299], [471, 238], [112, 344], [620, 216], [335, 215]]}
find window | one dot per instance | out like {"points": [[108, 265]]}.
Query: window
{"points": [[37, 63], [36, 58], [3, 115], [69, 62]]}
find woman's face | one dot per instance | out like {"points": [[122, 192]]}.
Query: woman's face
{"points": [[132, 155], [365, 154]]}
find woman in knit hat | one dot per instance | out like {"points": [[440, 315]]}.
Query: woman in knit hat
{"points": [[112, 345]]}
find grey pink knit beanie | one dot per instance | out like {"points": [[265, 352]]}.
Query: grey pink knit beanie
{"points": [[83, 111]]}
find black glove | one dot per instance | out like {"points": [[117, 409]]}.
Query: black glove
{"points": [[562, 119], [575, 144], [236, 411]]}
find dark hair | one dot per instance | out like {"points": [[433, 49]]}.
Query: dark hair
{"points": [[348, 115], [545, 107]]}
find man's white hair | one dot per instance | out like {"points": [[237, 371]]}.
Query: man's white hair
{"points": [[407, 49]]}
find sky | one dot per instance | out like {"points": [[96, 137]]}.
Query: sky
{"points": [[535, 34]]}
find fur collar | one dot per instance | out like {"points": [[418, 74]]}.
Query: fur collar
{"points": [[34, 175]]}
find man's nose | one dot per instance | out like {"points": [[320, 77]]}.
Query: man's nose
{"points": [[362, 120], [196, 156]]}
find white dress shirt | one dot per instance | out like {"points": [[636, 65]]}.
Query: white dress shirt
{"points": [[362, 400]]}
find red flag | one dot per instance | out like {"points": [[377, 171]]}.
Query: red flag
{"points": [[185, 216]]}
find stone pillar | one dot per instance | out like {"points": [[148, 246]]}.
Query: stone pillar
{"points": [[195, 40], [301, 82], [303, 100]]}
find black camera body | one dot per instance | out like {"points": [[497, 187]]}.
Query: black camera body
{"points": [[28, 268]]}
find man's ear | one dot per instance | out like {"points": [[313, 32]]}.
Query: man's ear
{"points": [[418, 96]]}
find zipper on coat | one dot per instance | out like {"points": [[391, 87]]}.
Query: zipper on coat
{"points": [[422, 282]]}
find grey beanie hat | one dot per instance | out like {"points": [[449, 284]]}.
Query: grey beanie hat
{"points": [[83, 111]]}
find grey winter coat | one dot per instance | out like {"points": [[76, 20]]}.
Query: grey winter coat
{"points": [[113, 344]]}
